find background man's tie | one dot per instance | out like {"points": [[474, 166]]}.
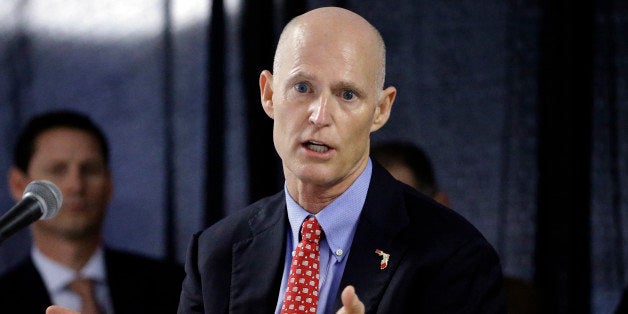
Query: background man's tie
{"points": [[302, 292], [84, 287]]}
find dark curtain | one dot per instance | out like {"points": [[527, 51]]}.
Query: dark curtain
{"points": [[565, 107], [258, 43], [214, 178]]}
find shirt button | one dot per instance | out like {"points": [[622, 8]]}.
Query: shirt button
{"points": [[338, 252]]}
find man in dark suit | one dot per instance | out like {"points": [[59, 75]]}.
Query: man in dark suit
{"points": [[68, 149], [385, 248]]}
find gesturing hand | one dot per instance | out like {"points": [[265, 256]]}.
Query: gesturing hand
{"points": [[351, 304]]}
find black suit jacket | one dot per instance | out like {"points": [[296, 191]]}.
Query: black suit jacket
{"points": [[439, 263], [137, 285]]}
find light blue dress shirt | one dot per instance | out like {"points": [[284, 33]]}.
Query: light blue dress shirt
{"points": [[338, 221], [57, 277]]}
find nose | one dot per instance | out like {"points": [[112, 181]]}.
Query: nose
{"points": [[73, 181], [319, 115]]}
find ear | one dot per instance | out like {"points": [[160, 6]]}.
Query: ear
{"points": [[17, 182], [382, 111], [266, 92]]}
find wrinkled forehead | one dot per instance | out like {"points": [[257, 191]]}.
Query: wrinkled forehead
{"points": [[339, 50]]}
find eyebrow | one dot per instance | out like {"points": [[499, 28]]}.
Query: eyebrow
{"points": [[299, 74], [346, 85]]}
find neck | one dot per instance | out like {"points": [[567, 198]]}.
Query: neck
{"points": [[314, 198], [68, 252]]}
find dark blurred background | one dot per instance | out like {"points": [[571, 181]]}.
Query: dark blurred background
{"points": [[522, 106]]}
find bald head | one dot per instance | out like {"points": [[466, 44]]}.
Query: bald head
{"points": [[338, 28], [325, 96]]}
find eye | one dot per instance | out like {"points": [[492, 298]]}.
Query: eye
{"points": [[302, 87], [93, 169], [57, 170], [348, 95]]}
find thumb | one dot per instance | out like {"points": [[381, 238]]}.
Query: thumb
{"points": [[351, 304], [55, 309]]}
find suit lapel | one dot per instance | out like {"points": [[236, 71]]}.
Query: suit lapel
{"points": [[27, 292], [255, 280], [383, 218]]}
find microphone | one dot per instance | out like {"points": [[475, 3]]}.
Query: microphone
{"points": [[41, 200]]}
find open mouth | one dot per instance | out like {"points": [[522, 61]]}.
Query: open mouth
{"points": [[317, 147]]}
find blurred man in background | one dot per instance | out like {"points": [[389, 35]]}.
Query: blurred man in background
{"points": [[409, 164], [70, 264]]}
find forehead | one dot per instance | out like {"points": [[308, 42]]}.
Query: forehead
{"points": [[324, 54], [65, 139]]}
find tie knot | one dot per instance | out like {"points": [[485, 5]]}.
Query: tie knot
{"points": [[310, 230], [82, 286]]}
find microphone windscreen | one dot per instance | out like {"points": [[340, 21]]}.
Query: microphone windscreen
{"points": [[48, 193]]}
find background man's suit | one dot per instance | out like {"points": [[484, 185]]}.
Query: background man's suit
{"points": [[439, 263], [137, 285]]}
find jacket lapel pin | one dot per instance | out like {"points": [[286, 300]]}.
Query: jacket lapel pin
{"points": [[385, 256]]}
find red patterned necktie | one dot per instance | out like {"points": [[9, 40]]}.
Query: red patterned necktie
{"points": [[302, 292]]}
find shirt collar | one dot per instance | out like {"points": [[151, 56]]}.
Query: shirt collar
{"points": [[338, 219], [57, 277]]}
